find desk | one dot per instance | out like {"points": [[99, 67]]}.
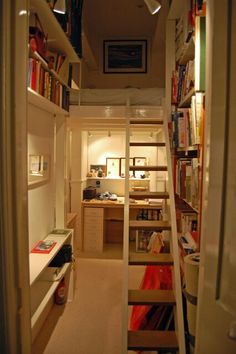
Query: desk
{"points": [[103, 221]]}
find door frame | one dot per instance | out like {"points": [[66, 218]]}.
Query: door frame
{"points": [[15, 326]]}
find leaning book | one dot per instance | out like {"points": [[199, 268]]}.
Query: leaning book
{"points": [[44, 246]]}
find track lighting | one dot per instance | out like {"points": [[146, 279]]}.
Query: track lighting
{"points": [[153, 6]]}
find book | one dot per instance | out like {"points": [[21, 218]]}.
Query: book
{"points": [[44, 246]]}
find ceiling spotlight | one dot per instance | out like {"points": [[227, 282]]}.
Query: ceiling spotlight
{"points": [[89, 134], [109, 133], [153, 6], [60, 6]]}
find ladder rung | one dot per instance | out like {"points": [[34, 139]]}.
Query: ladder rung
{"points": [[151, 297], [146, 121], [148, 168], [149, 225], [143, 195], [152, 340], [147, 144], [136, 258]]}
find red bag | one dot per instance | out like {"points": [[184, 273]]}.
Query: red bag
{"points": [[155, 277], [37, 38]]}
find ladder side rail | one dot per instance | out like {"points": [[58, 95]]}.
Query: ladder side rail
{"points": [[125, 318], [174, 244]]}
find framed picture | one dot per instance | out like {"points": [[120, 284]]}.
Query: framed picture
{"points": [[125, 56], [122, 166], [113, 167], [98, 169], [38, 170], [139, 161]]}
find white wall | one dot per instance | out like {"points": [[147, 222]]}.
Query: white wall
{"points": [[41, 198]]}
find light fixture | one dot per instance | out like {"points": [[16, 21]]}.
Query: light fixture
{"points": [[89, 134], [60, 7], [153, 6], [109, 133]]}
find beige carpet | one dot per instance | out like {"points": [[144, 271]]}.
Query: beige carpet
{"points": [[91, 324]]}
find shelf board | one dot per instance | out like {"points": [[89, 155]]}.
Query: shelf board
{"points": [[118, 178], [152, 340], [39, 261], [44, 303], [147, 144], [146, 121], [136, 258], [147, 194], [188, 52], [149, 225], [186, 101], [148, 168], [57, 39], [43, 103], [151, 297]]}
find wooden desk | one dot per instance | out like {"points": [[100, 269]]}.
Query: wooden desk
{"points": [[102, 221]]}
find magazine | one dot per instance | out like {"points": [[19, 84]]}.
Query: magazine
{"points": [[44, 246]]}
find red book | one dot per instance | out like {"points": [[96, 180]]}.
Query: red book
{"points": [[44, 246]]}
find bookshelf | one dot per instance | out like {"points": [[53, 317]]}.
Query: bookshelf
{"points": [[185, 78], [50, 76], [48, 104], [44, 279], [186, 125]]}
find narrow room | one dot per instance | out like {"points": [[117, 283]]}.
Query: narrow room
{"points": [[117, 177]]}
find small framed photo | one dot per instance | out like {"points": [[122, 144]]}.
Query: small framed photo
{"points": [[38, 169], [125, 56], [113, 167], [122, 166], [139, 161]]}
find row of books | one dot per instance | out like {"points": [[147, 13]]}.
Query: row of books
{"points": [[187, 180], [149, 214], [186, 123], [183, 80], [44, 83]]}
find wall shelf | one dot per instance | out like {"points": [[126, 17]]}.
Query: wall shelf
{"points": [[43, 103], [39, 261], [58, 40]]}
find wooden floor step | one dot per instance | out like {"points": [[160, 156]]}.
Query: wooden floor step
{"points": [[147, 144], [151, 297], [157, 225], [149, 195], [136, 258], [148, 168], [152, 340], [146, 121]]}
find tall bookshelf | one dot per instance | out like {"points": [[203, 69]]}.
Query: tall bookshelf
{"points": [[187, 112], [185, 109]]}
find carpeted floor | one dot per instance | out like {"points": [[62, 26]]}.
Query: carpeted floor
{"points": [[91, 324]]}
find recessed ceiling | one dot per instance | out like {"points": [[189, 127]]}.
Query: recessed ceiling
{"points": [[115, 19]]}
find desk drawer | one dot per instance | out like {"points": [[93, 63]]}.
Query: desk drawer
{"points": [[93, 212]]}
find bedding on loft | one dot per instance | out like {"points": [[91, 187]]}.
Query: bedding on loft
{"points": [[127, 96]]}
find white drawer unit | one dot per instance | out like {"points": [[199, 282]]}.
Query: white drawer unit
{"points": [[93, 229]]}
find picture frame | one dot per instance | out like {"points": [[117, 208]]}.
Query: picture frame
{"points": [[122, 166], [139, 161], [113, 167], [38, 169], [124, 56]]}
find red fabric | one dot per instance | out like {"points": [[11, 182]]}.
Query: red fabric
{"points": [[155, 277]]}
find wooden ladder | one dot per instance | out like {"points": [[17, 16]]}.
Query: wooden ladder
{"points": [[152, 340]]}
